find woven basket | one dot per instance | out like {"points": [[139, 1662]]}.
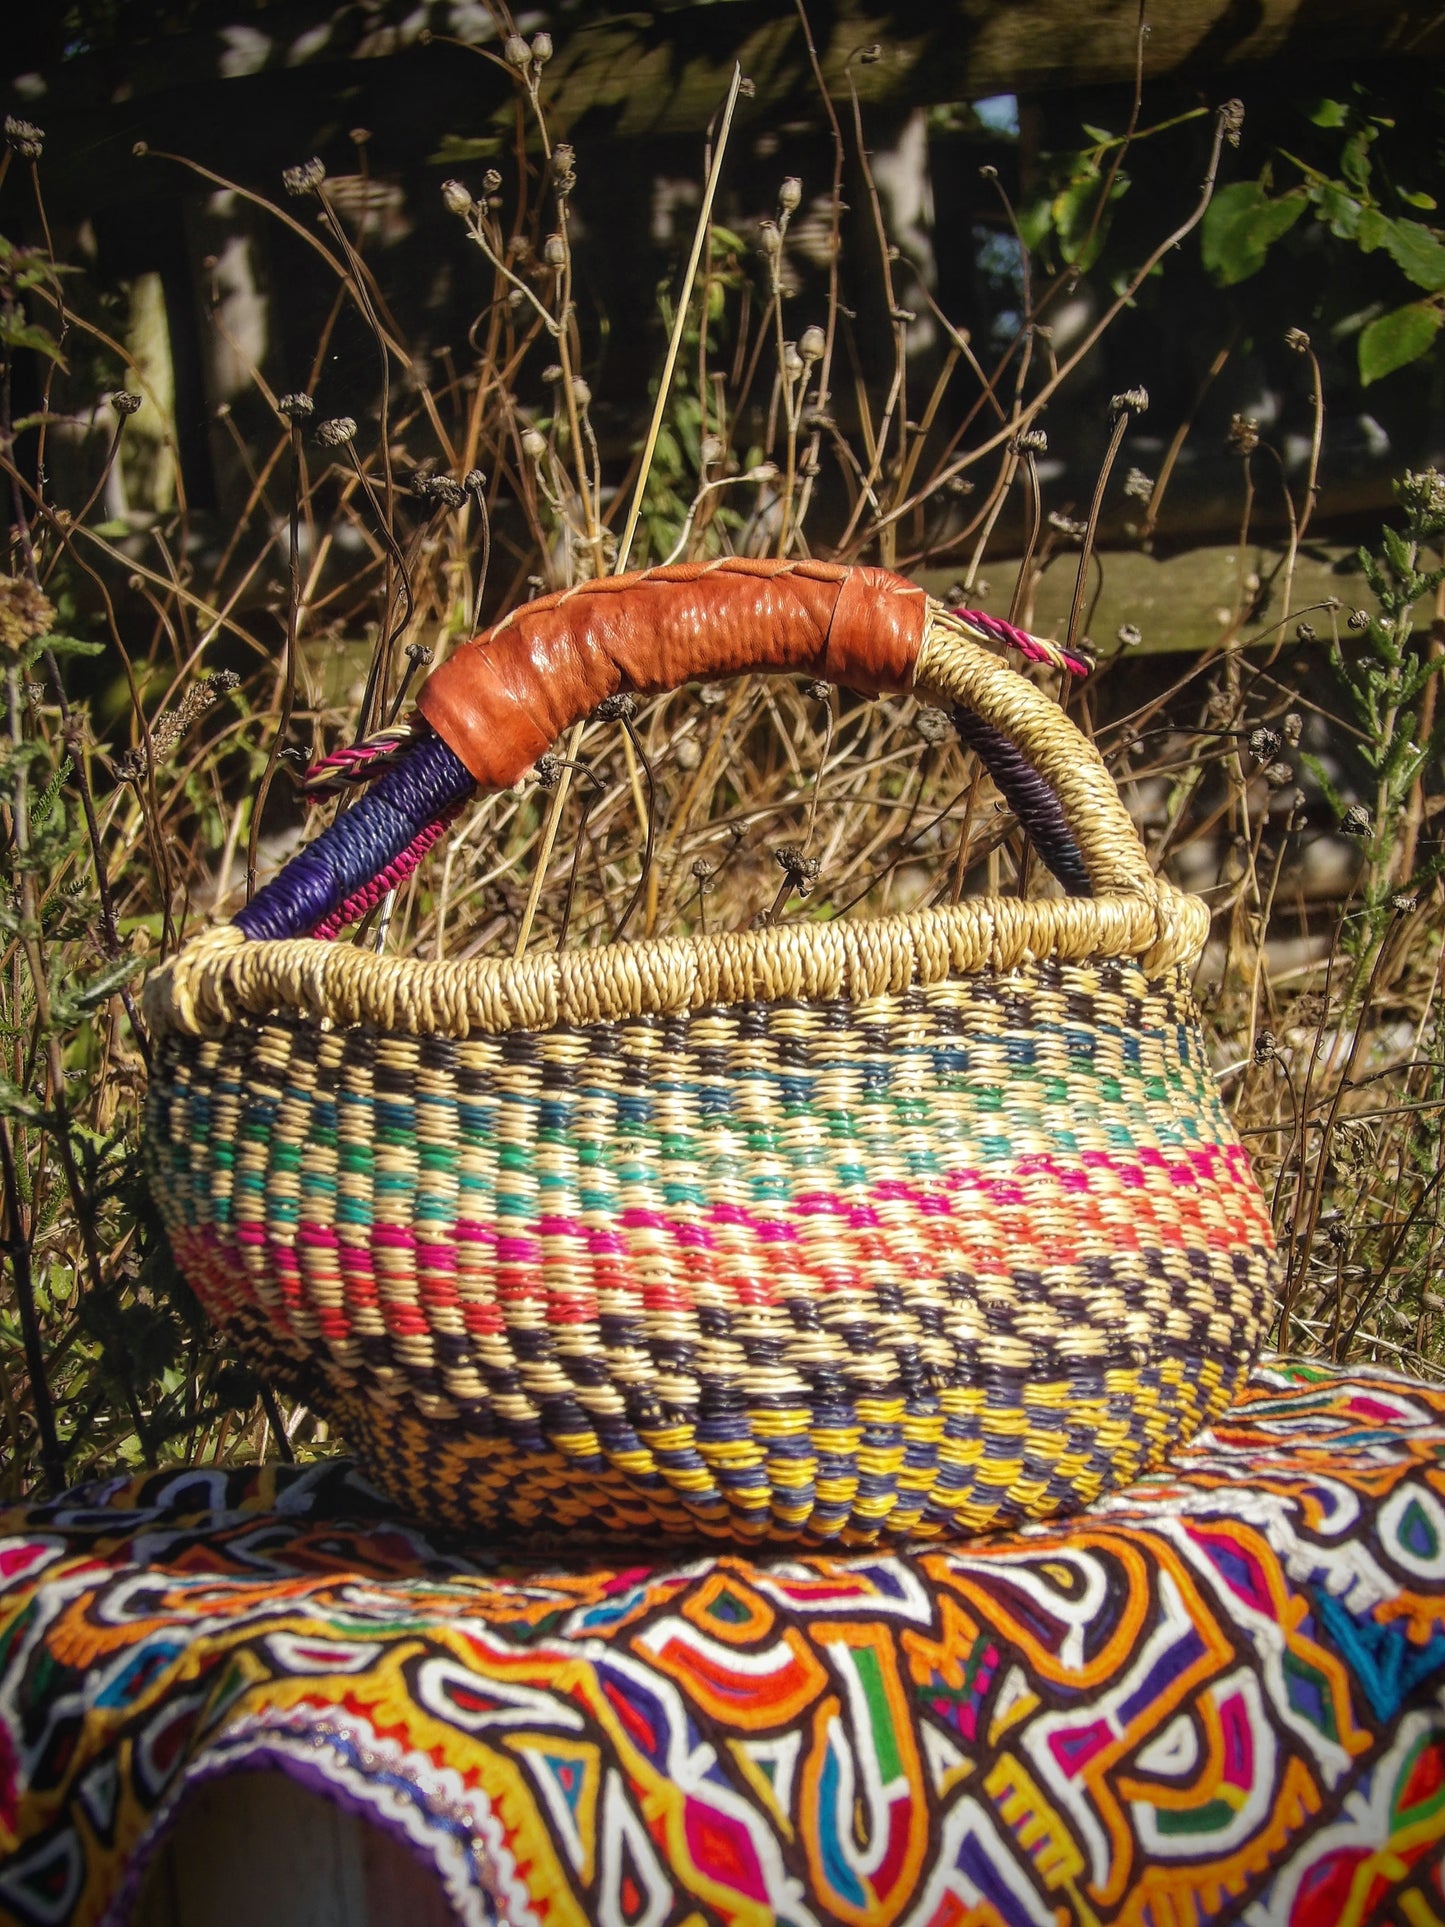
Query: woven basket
{"points": [[824, 1232]]}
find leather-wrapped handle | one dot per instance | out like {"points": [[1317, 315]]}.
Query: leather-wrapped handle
{"points": [[500, 701]]}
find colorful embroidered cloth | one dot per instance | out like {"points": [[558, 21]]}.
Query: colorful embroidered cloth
{"points": [[1219, 1696]]}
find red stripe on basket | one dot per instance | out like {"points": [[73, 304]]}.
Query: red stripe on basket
{"points": [[1045, 1210]]}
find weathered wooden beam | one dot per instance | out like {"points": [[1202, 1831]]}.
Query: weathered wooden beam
{"points": [[1182, 603], [664, 68]]}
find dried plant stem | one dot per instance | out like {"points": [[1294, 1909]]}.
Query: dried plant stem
{"points": [[289, 664], [649, 448]]}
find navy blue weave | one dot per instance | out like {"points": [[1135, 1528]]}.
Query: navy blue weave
{"points": [[424, 785], [1030, 799]]}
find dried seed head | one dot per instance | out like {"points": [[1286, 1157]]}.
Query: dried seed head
{"points": [[440, 490], [870, 55], [419, 655], [1356, 821], [475, 480], [811, 343], [125, 401], [1138, 485], [1304, 632], [1133, 401], [303, 179], [710, 694], [793, 363], [1231, 121], [764, 472], [615, 709], [1279, 774], [1066, 525], [701, 868], [687, 753], [1029, 441], [1404, 903], [1243, 436], [541, 48], [24, 138], [456, 198], [711, 450], [933, 725], [24, 612], [548, 771], [800, 869], [297, 407], [1358, 619], [554, 251], [790, 194], [581, 392], [770, 239], [1291, 727], [552, 372], [1128, 635], [534, 444], [491, 182], [820, 691], [1264, 743], [1298, 340], [564, 167], [517, 53], [337, 432], [1266, 1046]]}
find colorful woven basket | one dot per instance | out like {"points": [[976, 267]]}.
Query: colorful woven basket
{"points": [[822, 1231]]}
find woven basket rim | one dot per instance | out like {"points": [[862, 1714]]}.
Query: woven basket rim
{"points": [[220, 976]]}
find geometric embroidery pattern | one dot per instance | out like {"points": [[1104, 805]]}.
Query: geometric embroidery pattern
{"points": [[1217, 1696]]}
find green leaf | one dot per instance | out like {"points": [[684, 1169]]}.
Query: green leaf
{"points": [[456, 150], [1397, 338], [18, 1104], [1355, 158], [62, 646], [1240, 227], [1372, 230], [1426, 201], [1330, 113], [79, 1000], [1414, 248], [1339, 211], [1099, 134], [15, 333]]}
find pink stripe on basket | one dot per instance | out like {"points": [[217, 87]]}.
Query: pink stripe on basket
{"points": [[992, 1223]]}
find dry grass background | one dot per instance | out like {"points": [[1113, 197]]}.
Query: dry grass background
{"points": [[163, 703]]}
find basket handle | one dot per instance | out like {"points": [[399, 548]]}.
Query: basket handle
{"points": [[503, 699]]}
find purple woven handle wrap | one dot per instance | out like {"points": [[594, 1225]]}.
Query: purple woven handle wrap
{"points": [[366, 851]]}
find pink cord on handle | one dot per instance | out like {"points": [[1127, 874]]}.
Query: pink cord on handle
{"points": [[1034, 647], [396, 872]]}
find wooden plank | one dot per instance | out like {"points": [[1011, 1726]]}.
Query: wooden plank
{"points": [[1181, 602], [664, 68], [259, 1850]]}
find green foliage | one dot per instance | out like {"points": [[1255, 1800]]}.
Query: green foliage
{"points": [[1358, 204], [1384, 681], [1240, 227]]}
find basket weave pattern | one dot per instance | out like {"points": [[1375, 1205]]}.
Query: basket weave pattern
{"points": [[918, 1263], [829, 1232]]}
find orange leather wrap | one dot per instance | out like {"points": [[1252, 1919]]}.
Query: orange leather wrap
{"points": [[503, 699]]}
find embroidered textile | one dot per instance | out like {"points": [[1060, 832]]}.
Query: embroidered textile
{"points": [[1220, 1695]]}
